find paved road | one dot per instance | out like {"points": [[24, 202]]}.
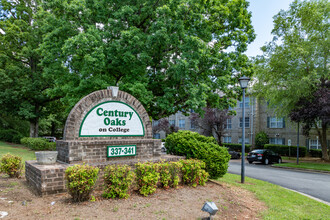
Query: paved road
{"points": [[313, 184]]}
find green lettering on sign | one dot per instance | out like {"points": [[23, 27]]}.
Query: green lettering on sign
{"points": [[121, 151]]}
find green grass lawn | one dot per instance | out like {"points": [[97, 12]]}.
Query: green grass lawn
{"points": [[307, 165], [16, 149], [281, 203]]}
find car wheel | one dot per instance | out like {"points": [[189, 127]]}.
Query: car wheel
{"points": [[250, 162], [266, 161], [279, 160]]}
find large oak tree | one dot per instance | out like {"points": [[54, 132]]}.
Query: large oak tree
{"points": [[24, 86], [170, 54]]}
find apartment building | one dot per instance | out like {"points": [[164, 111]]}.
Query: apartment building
{"points": [[258, 117]]}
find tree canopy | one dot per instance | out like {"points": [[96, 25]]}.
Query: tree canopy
{"points": [[294, 64], [213, 123], [24, 87], [315, 112], [294, 69], [173, 55], [170, 54]]}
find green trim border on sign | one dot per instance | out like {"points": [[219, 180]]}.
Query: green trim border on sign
{"points": [[108, 148], [110, 135]]}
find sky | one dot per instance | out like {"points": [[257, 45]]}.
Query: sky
{"points": [[262, 21]]}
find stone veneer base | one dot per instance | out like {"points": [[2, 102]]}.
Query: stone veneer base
{"points": [[50, 179], [95, 151]]}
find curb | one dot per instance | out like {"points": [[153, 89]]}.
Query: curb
{"points": [[306, 170]]}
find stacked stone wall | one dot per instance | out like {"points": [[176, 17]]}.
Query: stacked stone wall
{"points": [[45, 179]]}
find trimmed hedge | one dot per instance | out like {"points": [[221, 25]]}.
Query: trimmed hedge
{"points": [[237, 147], [147, 177], [81, 180], [193, 145], [118, 180], [284, 149], [193, 172], [38, 143], [315, 153]]}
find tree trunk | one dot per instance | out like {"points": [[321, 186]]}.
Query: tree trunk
{"points": [[34, 127], [325, 155], [53, 129]]}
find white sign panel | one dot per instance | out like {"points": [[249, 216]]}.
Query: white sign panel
{"points": [[111, 118]]}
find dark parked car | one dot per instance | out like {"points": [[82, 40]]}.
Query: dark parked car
{"points": [[50, 139], [264, 156], [234, 154]]}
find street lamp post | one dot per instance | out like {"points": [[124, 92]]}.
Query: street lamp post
{"points": [[243, 81]]}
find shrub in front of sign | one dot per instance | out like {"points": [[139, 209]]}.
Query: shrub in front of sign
{"points": [[11, 165], [147, 177], [194, 145], [193, 172], [81, 180], [117, 181], [170, 174], [38, 143]]}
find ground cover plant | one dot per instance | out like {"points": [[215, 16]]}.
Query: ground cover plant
{"points": [[282, 203], [11, 165], [81, 180], [206, 149]]}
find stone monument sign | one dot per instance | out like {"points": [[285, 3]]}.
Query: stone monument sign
{"points": [[105, 127]]}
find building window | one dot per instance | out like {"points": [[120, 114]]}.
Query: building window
{"points": [[228, 123], [314, 144], [227, 139], [273, 122], [172, 122], [182, 123], [157, 136], [246, 140], [247, 103], [247, 122], [280, 141]]}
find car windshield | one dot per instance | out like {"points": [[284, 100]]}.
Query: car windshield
{"points": [[258, 151]]}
